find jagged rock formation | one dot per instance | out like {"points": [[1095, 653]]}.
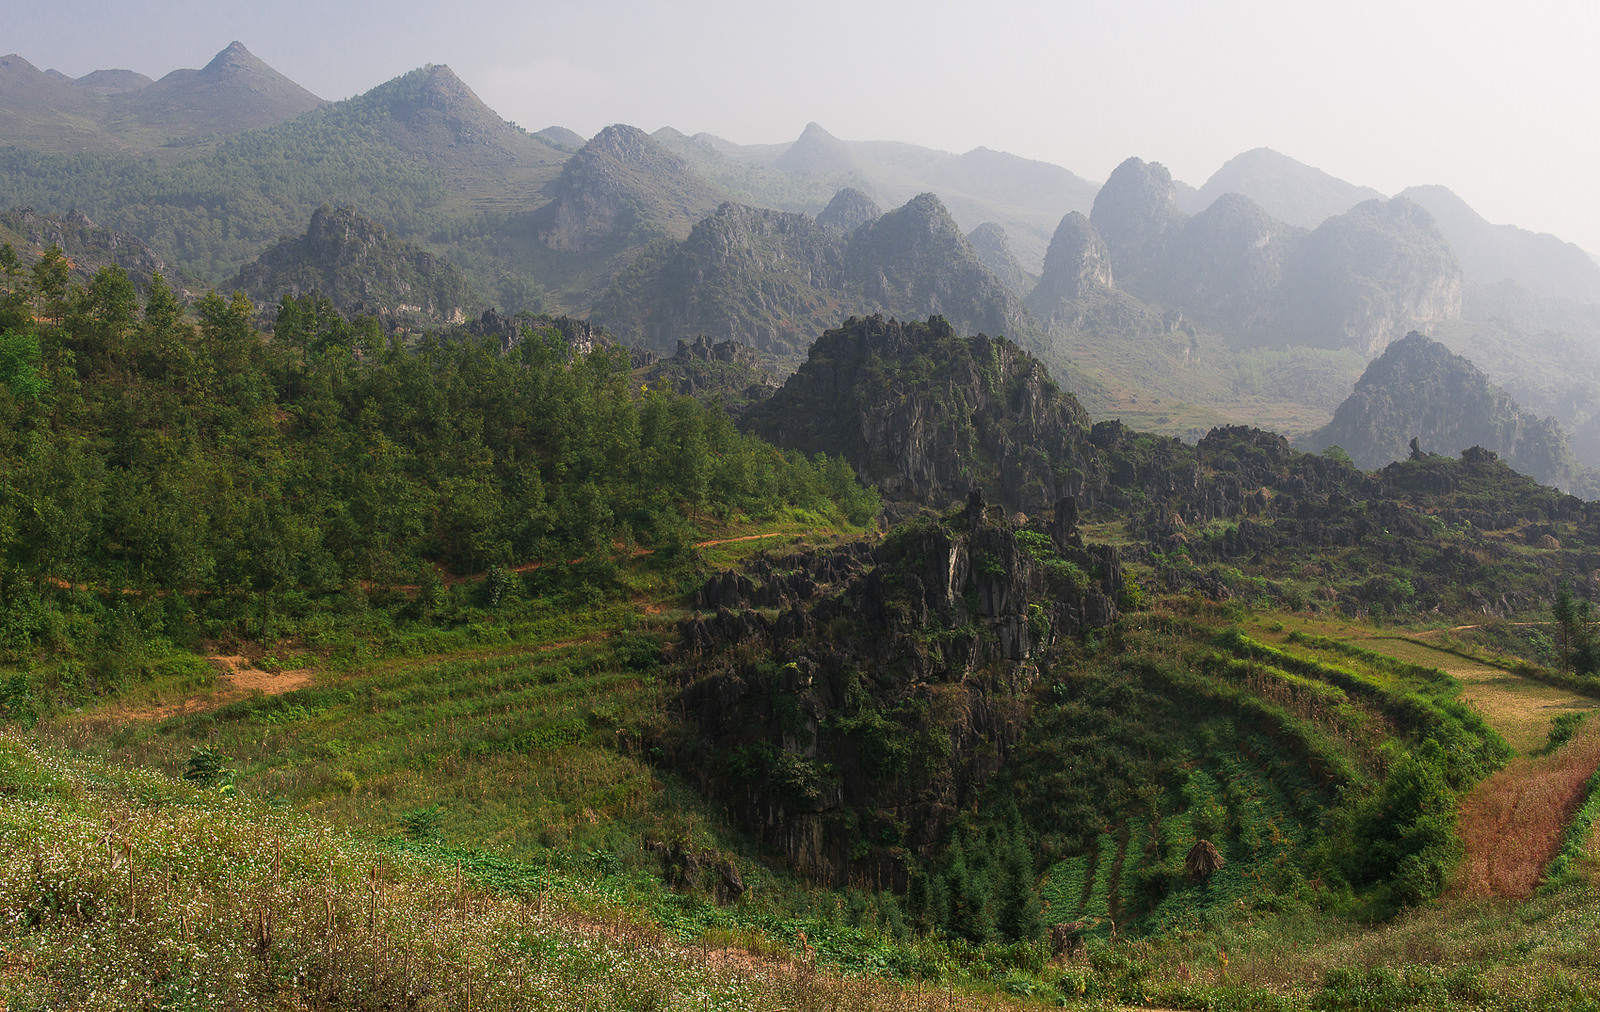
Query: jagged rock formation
{"points": [[361, 269], [88, 247], [1419, 393], [887, 691], [1289, 191], [622, 186], [726, 373], [579, 336], [774, 280], [849, 210], [1491, 254], [233, 93], [926, 415], [914, 261], [993, 247]]}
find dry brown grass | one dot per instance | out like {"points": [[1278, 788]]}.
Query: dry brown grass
{"points": [[1511, 823], [1519, 708]]}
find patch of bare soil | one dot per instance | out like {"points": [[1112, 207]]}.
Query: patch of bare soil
{"points": [[237, 678]]}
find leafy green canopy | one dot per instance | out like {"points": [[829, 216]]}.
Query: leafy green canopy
{"points": [[200, 464]]}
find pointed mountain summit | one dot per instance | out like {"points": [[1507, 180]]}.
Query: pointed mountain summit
{"points": [[1539, 262], [235, 92], [915, 261], [1076, 293], [1135, 212], [431, 108], [1290, 191], [816, 151], [622, 186]]}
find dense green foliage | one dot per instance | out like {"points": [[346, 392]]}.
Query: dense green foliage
{"points": [[189, 475]]}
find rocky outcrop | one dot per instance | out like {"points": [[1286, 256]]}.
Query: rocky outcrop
{"points": [[87, 246], [1076, 291], [926, 414], [362, 270], [1135, 213], [1419, 393], [849, 210], [915, 262], [724, 373], [769, 279], [848, 704], [774, 280]]}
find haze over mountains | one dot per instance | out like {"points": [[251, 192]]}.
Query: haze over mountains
{"points": [[1257, 296]]}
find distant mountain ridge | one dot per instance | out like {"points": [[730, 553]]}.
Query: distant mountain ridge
{"points": [[110, 110], [775, 279], [1290, 191], [1418, 389], [1359, 280]]}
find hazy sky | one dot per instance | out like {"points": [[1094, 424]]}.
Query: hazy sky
{"points": [[1502, 105]]}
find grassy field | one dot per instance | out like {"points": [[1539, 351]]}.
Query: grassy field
{"points": [[451, 810]]}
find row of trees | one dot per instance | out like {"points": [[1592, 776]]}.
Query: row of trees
{"points": [[149, 448]]}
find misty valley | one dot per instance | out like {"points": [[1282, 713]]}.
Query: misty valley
{"points": [[451, 566]]}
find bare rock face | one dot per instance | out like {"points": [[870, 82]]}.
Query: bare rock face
{"points": [[88, 246], [1076, 293], [1418, 390], [361, 269]]}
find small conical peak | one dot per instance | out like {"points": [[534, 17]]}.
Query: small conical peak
{"points": [[816, 150], [232, 59]]}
